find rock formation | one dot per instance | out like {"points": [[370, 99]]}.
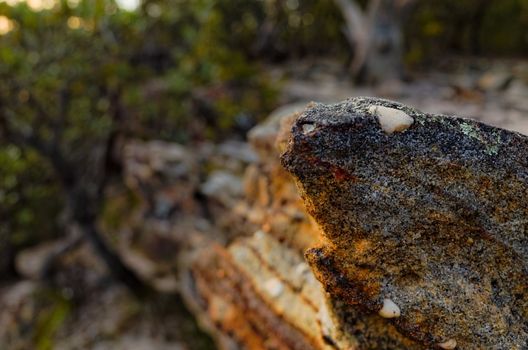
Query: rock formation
{"points": [[258, 292], [424, 219]]}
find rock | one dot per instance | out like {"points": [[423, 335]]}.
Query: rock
{"points": [[271, 202], [237, 150], [138, 343], [258, 292], [231, 156], [223, 186], [144, 159], [158, 211], [165, 176], [19, 311], [255, 296], [495, 80], [433, 218], [515, 96], [31, 261], [113, 319]]}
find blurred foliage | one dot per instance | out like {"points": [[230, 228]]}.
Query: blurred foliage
{"points": [[474, 27], [29, 197], [27, 206], [280, 29], [76, 73]]}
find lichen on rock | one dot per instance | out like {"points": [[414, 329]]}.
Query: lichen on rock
{"points": [[434, 219]]}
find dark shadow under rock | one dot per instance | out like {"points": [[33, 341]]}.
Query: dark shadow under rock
{"points": [[428, 212]]}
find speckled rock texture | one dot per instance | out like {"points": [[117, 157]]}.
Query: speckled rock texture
{"points": [[257, 292], [433, 216]]}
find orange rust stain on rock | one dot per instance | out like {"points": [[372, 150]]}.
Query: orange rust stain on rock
{"points": [[342, 175], [339, 173], [330, 271]]}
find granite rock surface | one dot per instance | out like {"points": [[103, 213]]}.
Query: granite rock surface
{"points": [[429, 212], [257, 292]]}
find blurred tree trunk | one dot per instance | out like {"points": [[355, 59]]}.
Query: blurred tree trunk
{"points": [[375, 38]]}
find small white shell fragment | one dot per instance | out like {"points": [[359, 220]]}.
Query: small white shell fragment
{"points": [[448, 344], [308, 128], [274, 287], [389, 309], [391, 119]]}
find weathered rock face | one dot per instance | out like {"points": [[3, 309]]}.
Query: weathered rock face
{"points": [[258, 292], [427, 211]]}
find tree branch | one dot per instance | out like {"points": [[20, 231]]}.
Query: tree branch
{"points": [[356, 31]]}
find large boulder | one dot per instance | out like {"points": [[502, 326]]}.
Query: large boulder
{"points": [[424, 219]]}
